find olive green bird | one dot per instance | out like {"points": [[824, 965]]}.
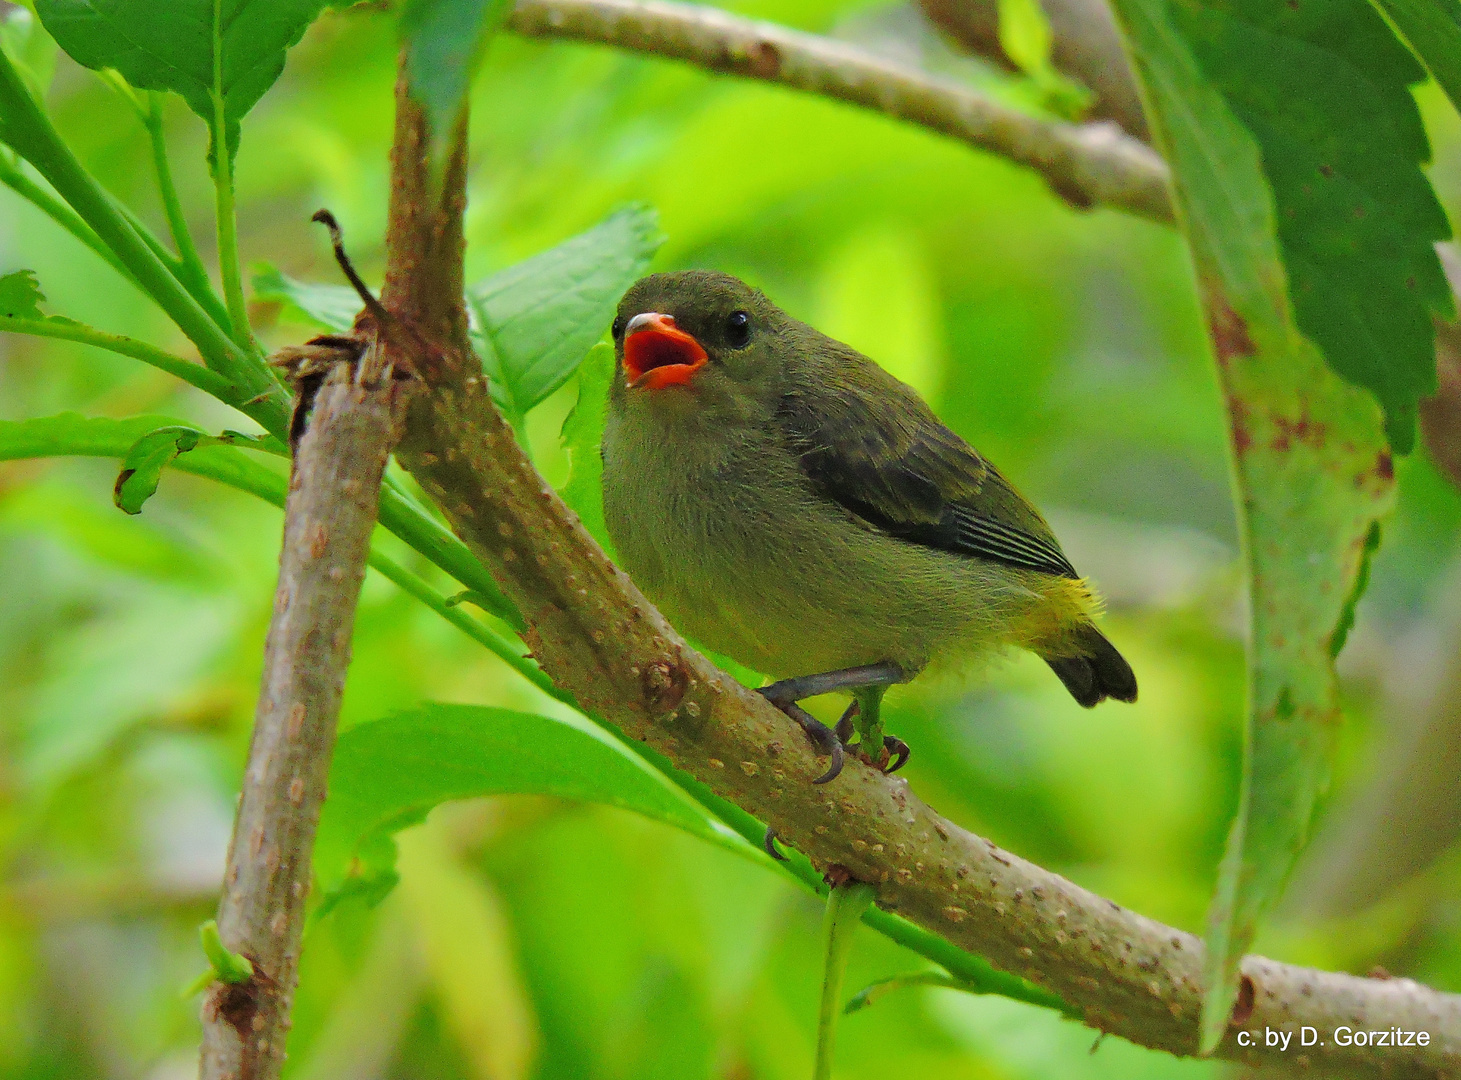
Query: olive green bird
{"points": [[790, 504]]}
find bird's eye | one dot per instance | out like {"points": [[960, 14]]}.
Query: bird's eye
{"points": [[617, 330], [738, 329]]}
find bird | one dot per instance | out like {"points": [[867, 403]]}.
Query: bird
{"points": [[789, 504]]}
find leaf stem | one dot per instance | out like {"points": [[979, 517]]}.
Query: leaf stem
{"points": [[172, 206], [228, 266], [507, 650], [203, 378]]}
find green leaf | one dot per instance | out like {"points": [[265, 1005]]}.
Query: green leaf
{"points": [[1433, 29], [583, 432], [1324, 91], [1311, 464], [29, 47], [535, 321], [444, 41], [333, 307], [181, 46], [229, 967], [20, 296], [1025, 37], [148, 456], [389, 773]]}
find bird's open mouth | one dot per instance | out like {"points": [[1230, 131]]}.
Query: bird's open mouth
{"points": [[657, 353]]}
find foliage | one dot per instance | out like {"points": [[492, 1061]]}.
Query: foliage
{"points": [[388, 774], [219, 58], [540, 930]]}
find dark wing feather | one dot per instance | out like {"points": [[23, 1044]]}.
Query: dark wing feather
{"points": [[899, 468]]}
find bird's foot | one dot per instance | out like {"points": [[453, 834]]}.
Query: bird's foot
{"points": [[898, 749], [824, 739]]}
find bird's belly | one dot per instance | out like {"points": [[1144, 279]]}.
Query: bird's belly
{"points": [[767, 574]]}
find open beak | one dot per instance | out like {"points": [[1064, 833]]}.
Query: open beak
{"points": [[657, 353]]}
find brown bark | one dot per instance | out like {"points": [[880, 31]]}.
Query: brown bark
{"points": [[328, 520]]}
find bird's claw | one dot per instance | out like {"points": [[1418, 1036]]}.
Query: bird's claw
{"points": [[824, 739], [899, 751], [769, 843]]}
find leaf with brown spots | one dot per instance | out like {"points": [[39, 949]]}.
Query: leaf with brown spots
{"points": [[1309, 446], [1323, 89]]}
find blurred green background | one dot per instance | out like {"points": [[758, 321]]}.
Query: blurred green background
{"points": [[535, 938]]}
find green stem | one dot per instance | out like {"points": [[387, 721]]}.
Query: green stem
{"points": [[172, 206], [29, 131], [420, 530], [204, 379], [507, 650], [845, 905], [16, 180], [200, 289], [227, 223]]}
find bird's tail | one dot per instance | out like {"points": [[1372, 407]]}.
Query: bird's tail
{"points": [[1096, 672]]}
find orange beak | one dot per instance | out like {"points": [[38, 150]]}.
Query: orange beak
{"points": [[657, 353]]}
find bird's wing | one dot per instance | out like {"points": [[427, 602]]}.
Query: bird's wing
{"points": [[877, 450]]}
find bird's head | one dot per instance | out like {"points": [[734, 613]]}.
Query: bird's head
{"points": [[698, 331]]}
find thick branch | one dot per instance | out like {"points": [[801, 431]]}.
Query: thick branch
{"points": [[328, 520], [597, 636], [1088, 165]]}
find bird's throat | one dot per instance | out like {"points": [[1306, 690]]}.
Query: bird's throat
{"points": [[660, 355]]}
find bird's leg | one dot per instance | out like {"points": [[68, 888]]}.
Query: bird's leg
{"points": [[786, 693], [876, 747], [869, 702]]}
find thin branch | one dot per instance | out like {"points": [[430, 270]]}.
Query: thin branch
{"points": [[1087, 165], [600, 640], [205, 379], [329, 517]]}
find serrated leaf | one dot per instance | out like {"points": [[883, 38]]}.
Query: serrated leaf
{"points": [[389, 773], [333, 307], [173, 45], [444, 40], [1433, 28], [1324, 90], [583, 432], [535, 321], [20, 296], [1312, 467]]}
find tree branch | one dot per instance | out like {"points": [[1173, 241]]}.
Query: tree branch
{"points": [[599, 639], [329, 516], [1087, 165]]}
